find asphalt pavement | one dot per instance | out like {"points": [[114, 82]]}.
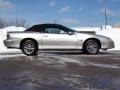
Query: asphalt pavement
{"points": [[60, 71]]}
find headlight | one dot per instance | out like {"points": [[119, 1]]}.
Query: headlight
{"points": [[111, 43], [110, 40]]}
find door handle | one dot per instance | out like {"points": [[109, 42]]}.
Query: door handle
{"points": [[45, 35]]}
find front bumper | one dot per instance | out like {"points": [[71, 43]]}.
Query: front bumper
{"points": [[108, 45], [111, 45]]}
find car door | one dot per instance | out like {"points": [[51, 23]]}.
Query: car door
{"points": [[56, 38]]}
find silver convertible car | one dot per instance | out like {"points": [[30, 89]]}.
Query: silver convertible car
{"points": [[56, 37]]}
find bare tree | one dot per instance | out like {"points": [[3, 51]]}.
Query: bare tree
{"points": [[16, 22], [2, 23]]}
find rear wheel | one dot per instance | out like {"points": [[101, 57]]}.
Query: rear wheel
{"points": [[91, 47], [29, 47]]}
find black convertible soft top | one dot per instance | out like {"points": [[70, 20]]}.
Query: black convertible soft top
{"points": [[40, 27]]}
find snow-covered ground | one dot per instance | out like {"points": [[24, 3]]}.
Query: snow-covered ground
{"points": [[113, 33]]}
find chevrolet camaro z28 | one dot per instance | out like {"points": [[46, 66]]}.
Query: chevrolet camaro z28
{"points": [[56, 37]]}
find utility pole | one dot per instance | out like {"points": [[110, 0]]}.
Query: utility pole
{"points": [[55, 21], [106, 18]]}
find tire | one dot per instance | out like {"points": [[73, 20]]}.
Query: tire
{"points": [[91, 47], [29, 47]]}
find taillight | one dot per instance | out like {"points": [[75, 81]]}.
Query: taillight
{"points": [[8, 36]]}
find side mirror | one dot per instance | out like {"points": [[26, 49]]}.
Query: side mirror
{"points": [[70, 33]]}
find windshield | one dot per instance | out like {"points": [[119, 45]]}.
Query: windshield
{"points": [[68, 29]]}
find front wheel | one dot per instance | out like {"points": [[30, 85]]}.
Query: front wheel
{"points": [[29, 47], [91, 47]]}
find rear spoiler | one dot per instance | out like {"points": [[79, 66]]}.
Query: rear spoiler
{"points": [[14, 31]]}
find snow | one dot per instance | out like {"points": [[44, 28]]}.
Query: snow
{"points": [[3, 33], [86, 28], [103, 27], [113, 33]]}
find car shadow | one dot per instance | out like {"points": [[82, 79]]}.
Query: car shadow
{"points": [[74, 53], [61, 53]]}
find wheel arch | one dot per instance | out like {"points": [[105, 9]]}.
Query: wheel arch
{"points": [[27, 39], [98, 41]]}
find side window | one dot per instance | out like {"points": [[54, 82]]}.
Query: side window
{"points": [[54, 31]]}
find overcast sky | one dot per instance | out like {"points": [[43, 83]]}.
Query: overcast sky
{"points": [[68, 12]]}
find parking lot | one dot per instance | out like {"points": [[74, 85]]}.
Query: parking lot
{"points": [[60, 71]]}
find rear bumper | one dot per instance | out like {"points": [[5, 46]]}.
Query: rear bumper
{"points": [[9, 43]]}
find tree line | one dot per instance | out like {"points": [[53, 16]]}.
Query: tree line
{"points": [[13, 22]]}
